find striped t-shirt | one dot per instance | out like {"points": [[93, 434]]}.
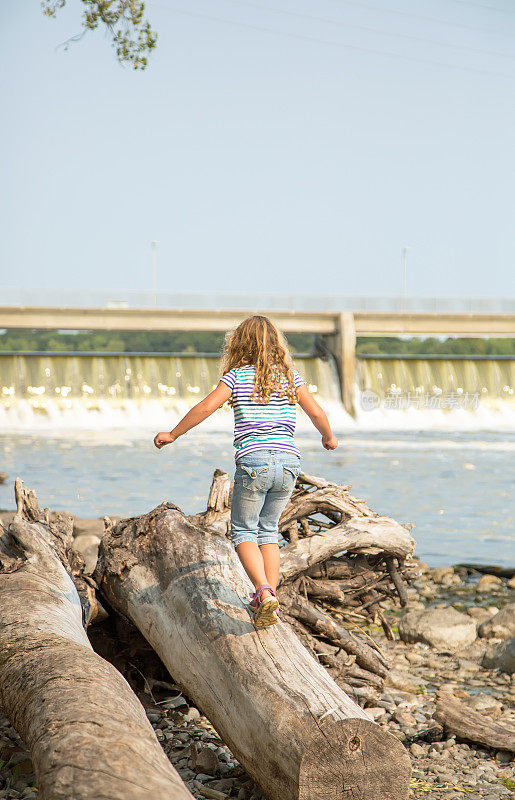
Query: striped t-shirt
{"points": [[259, 426]]}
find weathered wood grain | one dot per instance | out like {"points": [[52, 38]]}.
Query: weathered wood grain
{"points": [[88, 734], [284, 718], [472, 726]]}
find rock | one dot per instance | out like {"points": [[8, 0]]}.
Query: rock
{"points": [[466, 665], [483, 702], [503, 757], [511, 583], [417, 750], [86, 525], [501, 657], [3, 477], [192, 713], [403, 682], [208, 792], [488, 582], [206, 761], [223, 785], [442, 628], [479, 613], [87, 545], [449, 579], [376, 712], [404, 718], [440, 573], [501, 625], [414, 658]]}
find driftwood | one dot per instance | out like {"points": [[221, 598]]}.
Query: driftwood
{"points": [[88, 734], [216, 518], [365, 655], [472, 726], [349, 526], [295, 731], [342, 557], [283, 708]]}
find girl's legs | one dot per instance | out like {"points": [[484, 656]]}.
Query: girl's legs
{"points": [[271, 562], [286, 470], [263, 484], [253, 562]]}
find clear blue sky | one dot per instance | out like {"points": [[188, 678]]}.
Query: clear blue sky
{"points": [[287, 144]]}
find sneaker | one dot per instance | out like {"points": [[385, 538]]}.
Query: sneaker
{"points": [[264, 612]]}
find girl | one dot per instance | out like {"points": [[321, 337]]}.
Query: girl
{"points": [[259, 382]]}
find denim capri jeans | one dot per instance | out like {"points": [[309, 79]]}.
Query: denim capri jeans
{"points": [[263, 483]]}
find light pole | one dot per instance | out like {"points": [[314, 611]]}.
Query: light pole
{"points": [[154, 272], [404, 258]]}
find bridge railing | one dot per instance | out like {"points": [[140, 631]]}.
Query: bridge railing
{"points": [[255, 301]]}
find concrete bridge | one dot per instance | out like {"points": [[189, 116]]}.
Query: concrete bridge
{"points": [[338, 329]]}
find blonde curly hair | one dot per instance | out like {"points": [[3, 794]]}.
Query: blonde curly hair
{"points": [[256, 341]]}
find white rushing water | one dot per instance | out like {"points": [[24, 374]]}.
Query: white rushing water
{"points": [[430, 443], [49, 392]]}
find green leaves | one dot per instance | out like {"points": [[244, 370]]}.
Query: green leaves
{"points": [[131, 35]]}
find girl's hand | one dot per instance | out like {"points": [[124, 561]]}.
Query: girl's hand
{"points": [[160, 439], [330, 442]]}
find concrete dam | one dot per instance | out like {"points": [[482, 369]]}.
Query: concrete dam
{"points": [[46, 390]]}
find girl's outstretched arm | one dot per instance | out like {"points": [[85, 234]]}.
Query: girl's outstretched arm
{"points": [[317, 416], [200, 411]]}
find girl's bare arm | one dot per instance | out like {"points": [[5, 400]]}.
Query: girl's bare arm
{"points": [[200, 411], [317, 416]]}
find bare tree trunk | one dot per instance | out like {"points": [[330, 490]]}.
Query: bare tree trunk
{"points": [[292, 728], [88, 734]]}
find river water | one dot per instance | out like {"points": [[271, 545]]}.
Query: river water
{"points": [[455, 487]]}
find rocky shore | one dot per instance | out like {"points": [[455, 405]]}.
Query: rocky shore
{"points": [[451, 637]]}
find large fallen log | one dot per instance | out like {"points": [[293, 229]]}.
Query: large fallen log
{"points": [[289, 724], [88, 734], [470, 725], [341, 555]]}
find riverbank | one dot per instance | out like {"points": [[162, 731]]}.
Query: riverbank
{"points": [[444, 766]]}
